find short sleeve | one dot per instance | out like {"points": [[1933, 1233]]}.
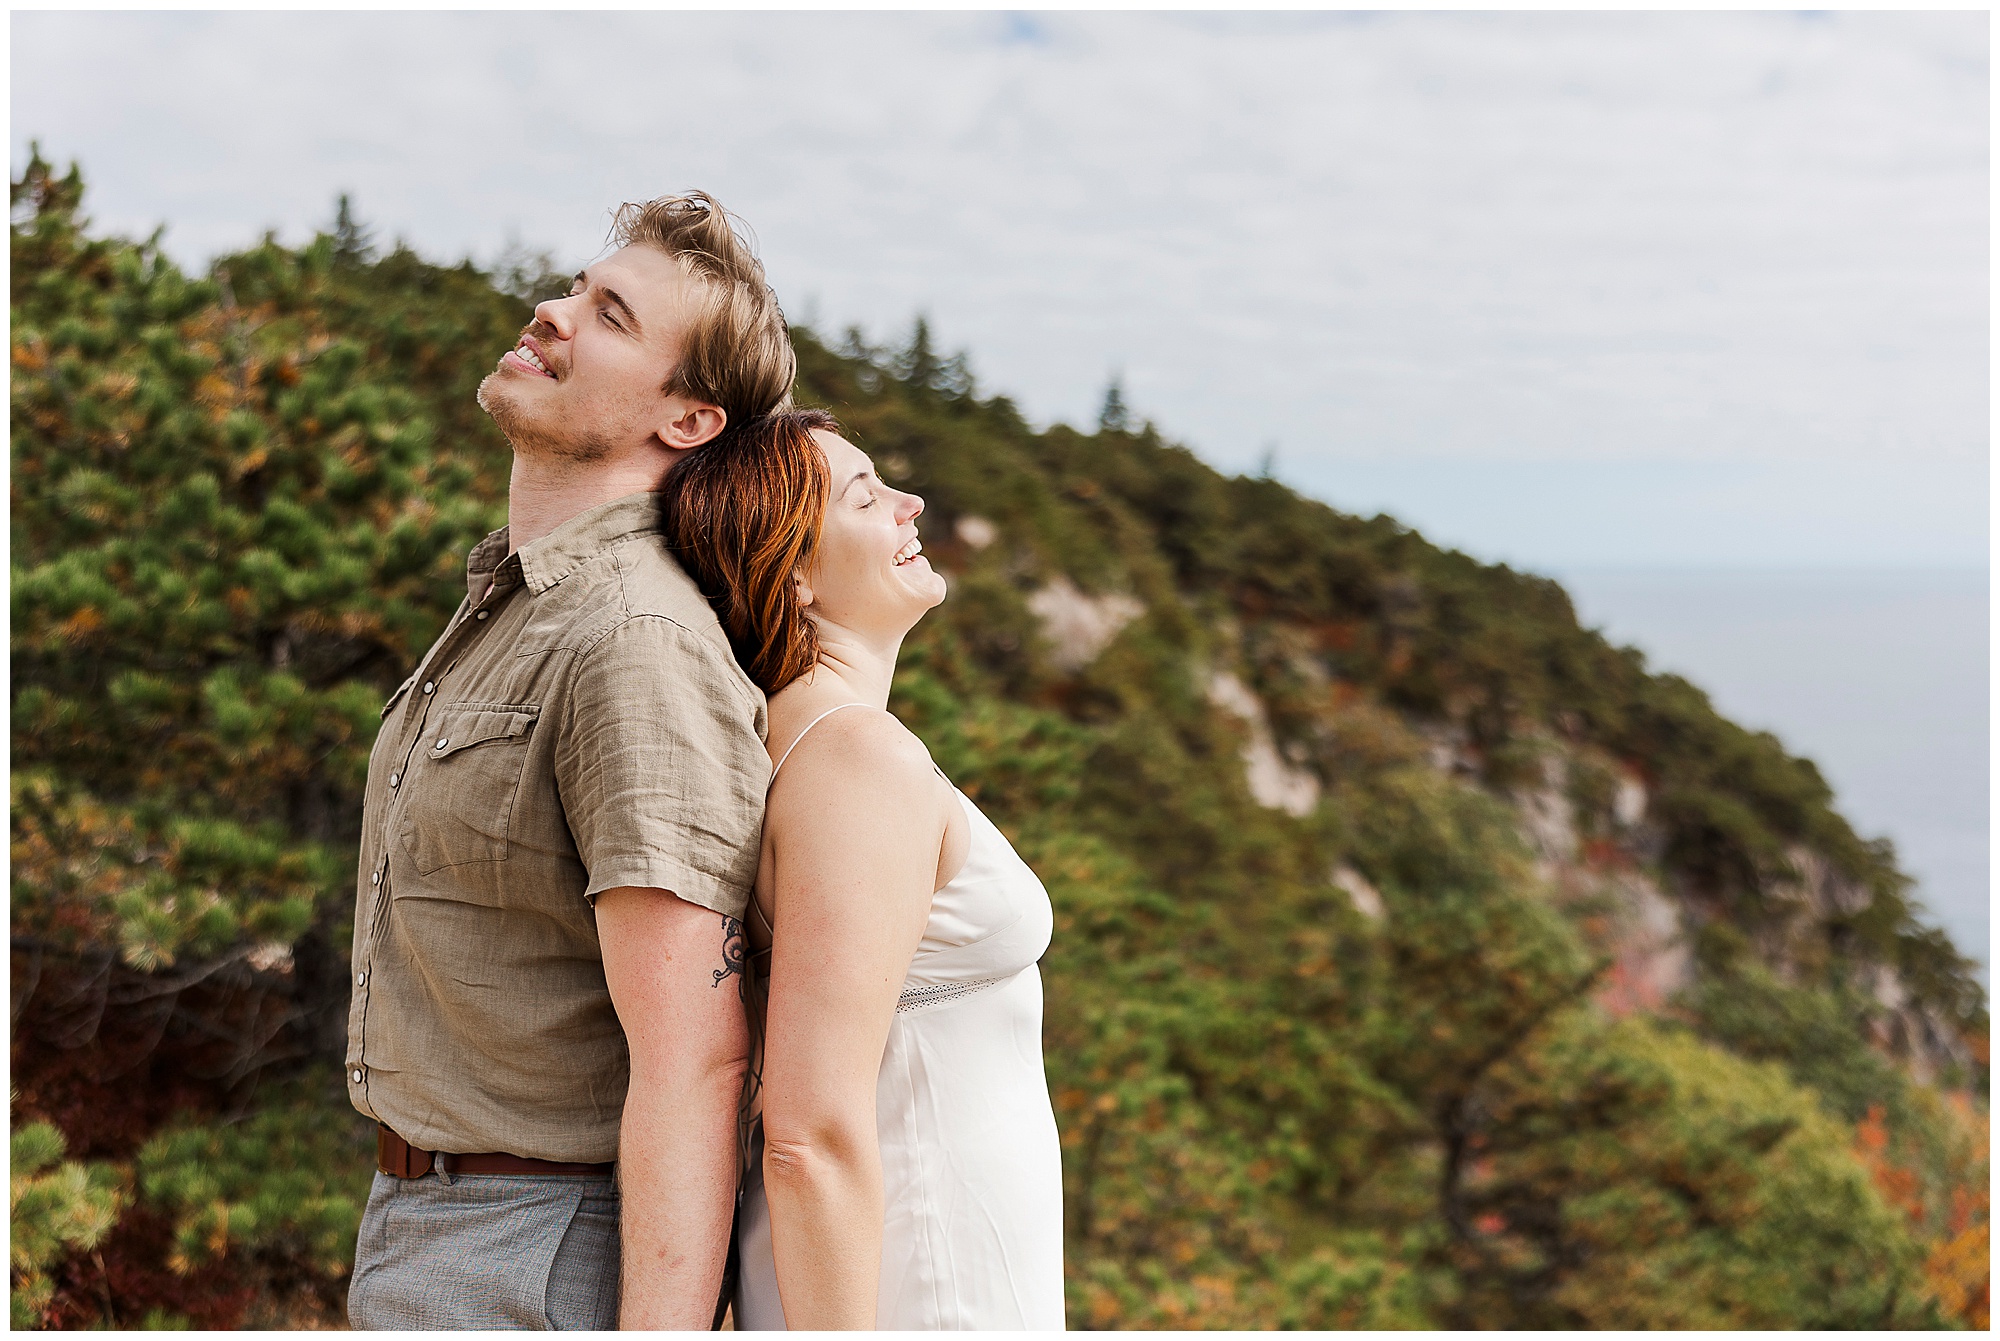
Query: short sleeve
{"points": [[661, 767]]}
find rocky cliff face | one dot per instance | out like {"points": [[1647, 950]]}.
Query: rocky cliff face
{"points": [[1586, 819]]}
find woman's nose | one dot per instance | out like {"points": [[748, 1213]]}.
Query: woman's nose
{"points": [[911, 508]]}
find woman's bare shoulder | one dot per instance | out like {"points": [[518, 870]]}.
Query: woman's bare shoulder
{"points": [[863, 741], [859, 792]]}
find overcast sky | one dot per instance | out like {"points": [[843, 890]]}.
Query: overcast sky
{"points": [[1562, 289]]}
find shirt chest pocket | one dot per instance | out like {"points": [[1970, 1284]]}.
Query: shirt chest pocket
{"points": [[464, 780]]}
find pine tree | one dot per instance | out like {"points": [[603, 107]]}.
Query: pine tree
{"points": [[917, 365], [351, 244], [1114, 417]]}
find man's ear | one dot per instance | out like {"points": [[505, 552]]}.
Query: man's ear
{"points": [[690, 423]]}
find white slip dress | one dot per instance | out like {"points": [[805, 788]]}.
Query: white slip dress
{"points": [[971, 1163]]}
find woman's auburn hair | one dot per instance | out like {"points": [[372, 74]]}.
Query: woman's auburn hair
{"points": [[742, 514]]}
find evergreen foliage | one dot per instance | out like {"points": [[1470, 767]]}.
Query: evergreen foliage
{"points": [[241, 504], [54, 1207], [1113, 417]]}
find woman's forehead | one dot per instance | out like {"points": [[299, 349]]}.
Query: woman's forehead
{"points": [[842, 456]]}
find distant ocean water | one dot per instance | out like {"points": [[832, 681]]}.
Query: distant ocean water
{"points": [[1879, 677]]}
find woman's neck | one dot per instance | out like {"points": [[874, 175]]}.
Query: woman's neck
{"points": [[860, 667]]}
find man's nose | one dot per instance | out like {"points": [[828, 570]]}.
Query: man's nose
{"points": [[553, 315]]}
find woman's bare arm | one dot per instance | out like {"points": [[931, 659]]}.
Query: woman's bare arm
{"points": [[855, 824]]}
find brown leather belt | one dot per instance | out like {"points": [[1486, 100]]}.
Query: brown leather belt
{"points": [[399, 1159]]}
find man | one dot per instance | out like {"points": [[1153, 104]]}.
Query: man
{"points": [[560, 833]]}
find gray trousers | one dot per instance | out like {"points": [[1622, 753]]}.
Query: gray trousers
{"points": [[487, 1252]]}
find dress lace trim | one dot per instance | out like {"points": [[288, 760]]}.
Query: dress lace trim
{"points": [[916, 998]]}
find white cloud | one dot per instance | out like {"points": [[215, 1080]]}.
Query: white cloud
{"points": [[1751, 243]]}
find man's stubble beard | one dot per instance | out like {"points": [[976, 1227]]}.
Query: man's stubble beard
{"points": [[529, 438]]}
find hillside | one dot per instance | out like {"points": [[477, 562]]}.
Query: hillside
{"points": [[1421, 959]]}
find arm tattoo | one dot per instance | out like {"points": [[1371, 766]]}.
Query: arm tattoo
{"points": [[735, 957]]}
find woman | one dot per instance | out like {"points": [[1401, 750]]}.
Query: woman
{"points": [[909, 1175]]}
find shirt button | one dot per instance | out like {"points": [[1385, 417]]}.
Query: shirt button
{"points": [[394, 778], [375, 879], [355, 1075], [429, 685], [484, 613], [442, 742], [361, 978]]}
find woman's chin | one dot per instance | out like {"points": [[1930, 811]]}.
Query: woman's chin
{"points": [[923, 582], [931, 598]]}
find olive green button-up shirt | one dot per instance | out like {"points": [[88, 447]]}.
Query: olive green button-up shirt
{"points": [[581, 725]]}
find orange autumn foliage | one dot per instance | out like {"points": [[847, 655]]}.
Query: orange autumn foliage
{"points": [[1958, 1265]]}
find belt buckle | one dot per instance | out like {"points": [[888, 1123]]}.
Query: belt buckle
{"points": [[397, 1157]]}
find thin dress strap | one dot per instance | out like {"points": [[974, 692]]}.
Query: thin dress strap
{"points": [[802, 735]]}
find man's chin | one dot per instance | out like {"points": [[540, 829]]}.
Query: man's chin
{"points": [[492, 395], [527, 436], [497, 399]]}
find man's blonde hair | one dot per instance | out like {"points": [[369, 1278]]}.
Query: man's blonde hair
{"points": [[736, 352]]}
